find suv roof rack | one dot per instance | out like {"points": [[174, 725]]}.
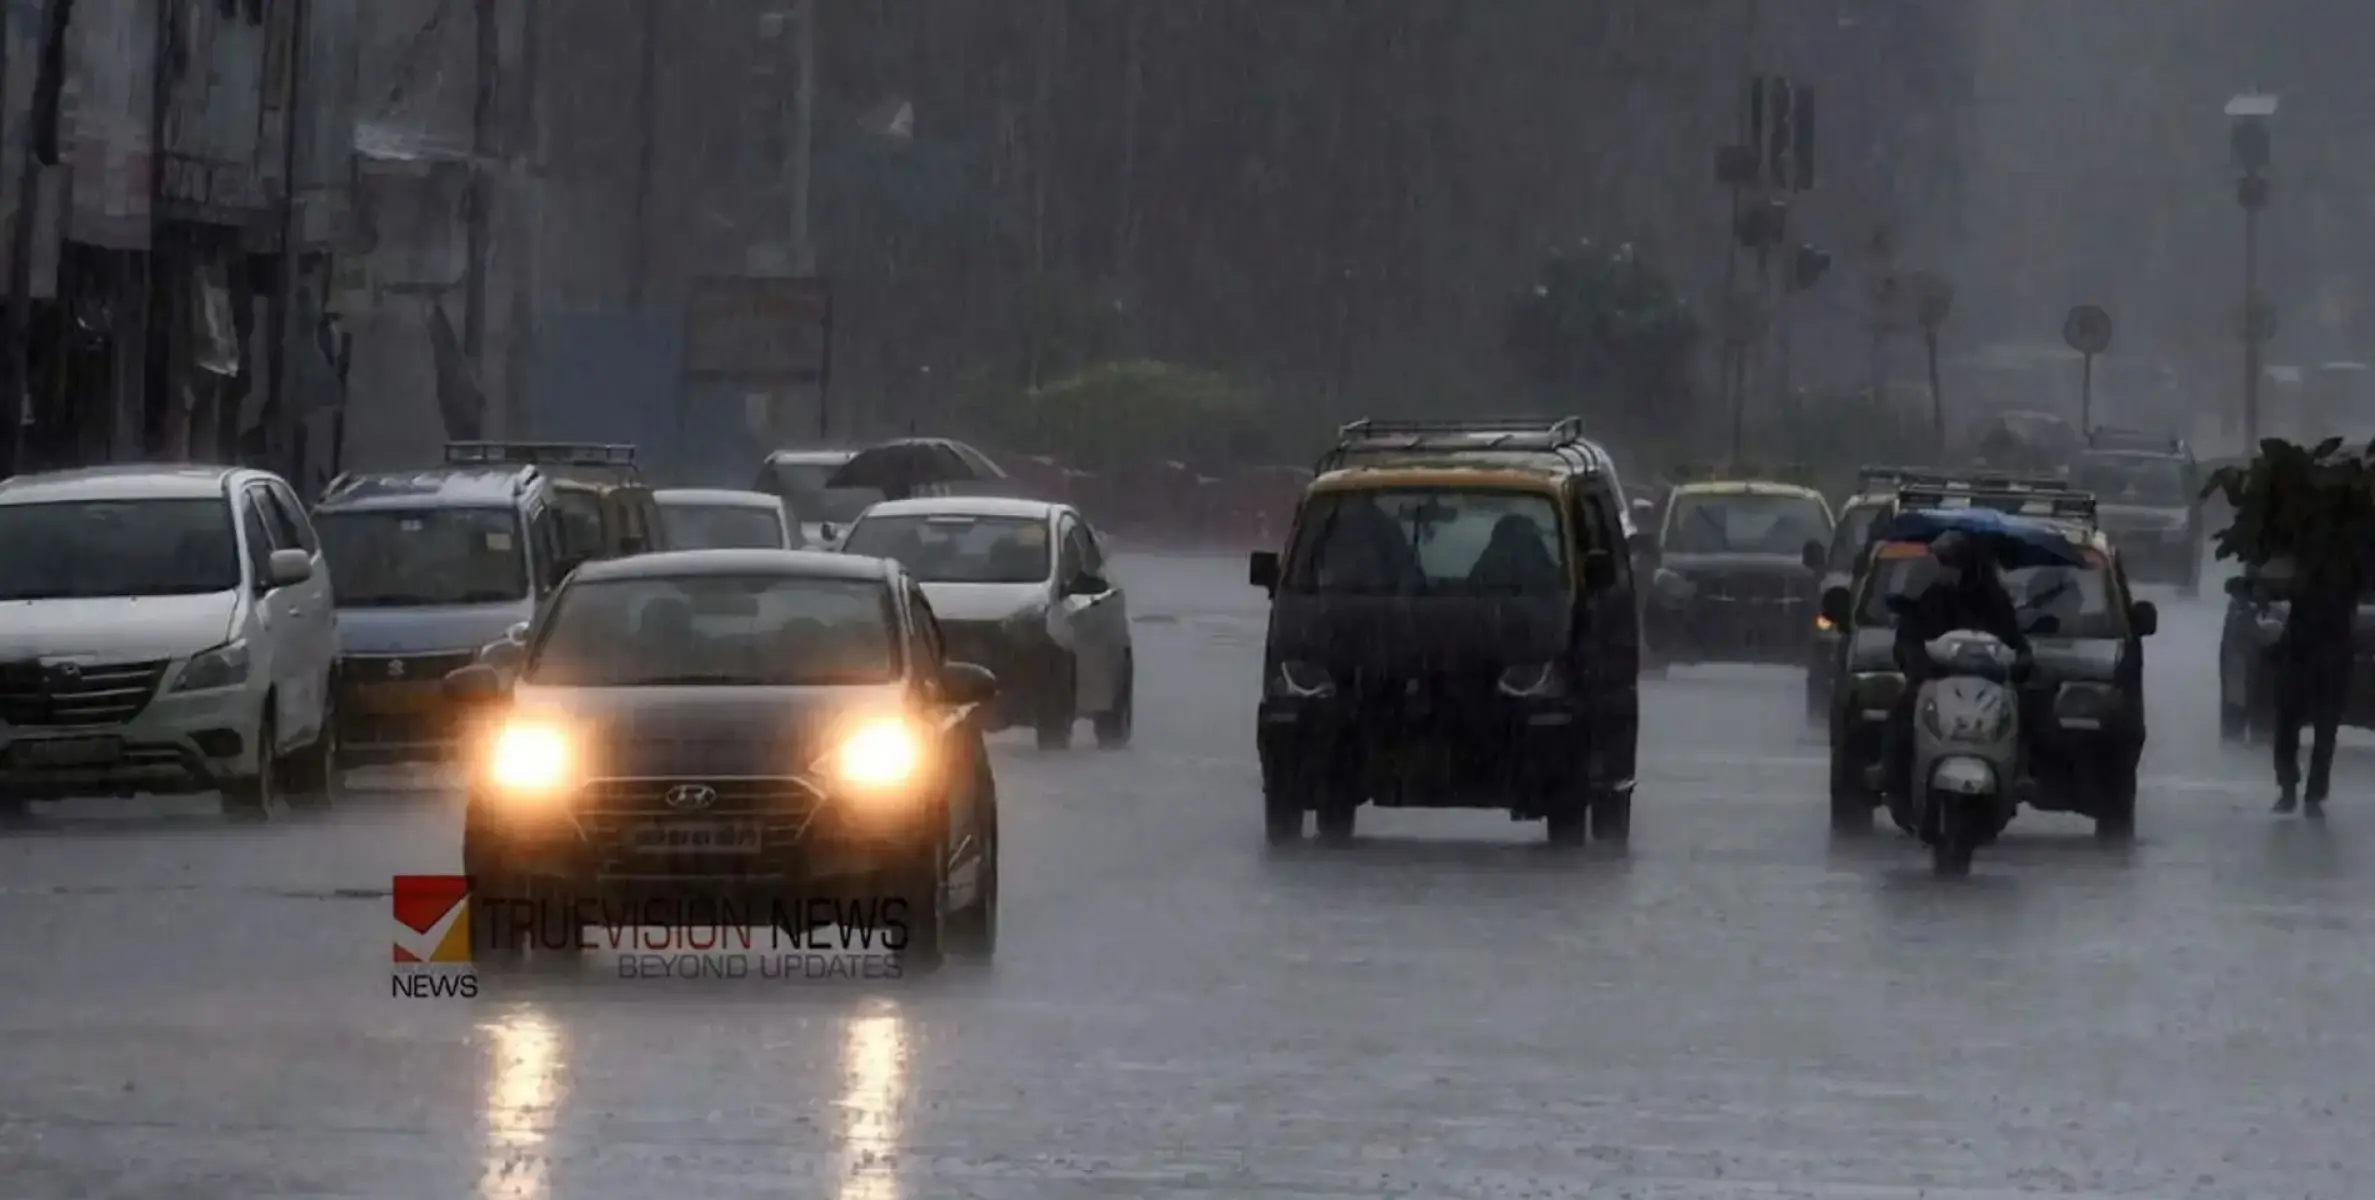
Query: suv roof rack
{"points": [[1369, 437], [2026, 497], [575, 454], [2107, 437]]}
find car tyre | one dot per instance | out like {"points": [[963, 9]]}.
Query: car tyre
{"points": [[1114, 727], [1852, 801], [1612, 816], [1282, 814], [2115, 807], [251, 799], [312, 773], [923, 884], [1336, 820], [1059, 709], [973, 933]]}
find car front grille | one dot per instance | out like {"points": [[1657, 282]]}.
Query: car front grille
{"points": [[766, 799], [55, 695], [381, 668], [1751, 589], [629, 824]]}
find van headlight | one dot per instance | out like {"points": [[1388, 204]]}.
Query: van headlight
{"points": [[225, 666], [878, 754], [1301, 681], [531, 761]]}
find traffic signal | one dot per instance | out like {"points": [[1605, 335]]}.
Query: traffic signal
{"points": [[1780, 130], [1807, 267]]}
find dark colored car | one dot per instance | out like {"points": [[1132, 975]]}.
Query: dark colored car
{"points": [[2083, 707], [2246, 697], [753, 728], [1457, 633], [1840, 565], [1732, 583], [2150, 507]]}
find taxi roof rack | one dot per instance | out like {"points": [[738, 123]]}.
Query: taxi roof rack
{"points": [[2112, 437], [1370, 436], [575, 454], [2018, 497]]}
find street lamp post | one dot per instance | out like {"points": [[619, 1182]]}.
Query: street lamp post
{"points": [[2249, 116]]}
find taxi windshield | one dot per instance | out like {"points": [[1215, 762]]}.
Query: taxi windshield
{"points": [[418, 557], [957, 547], [1745, 523], [2082, 600], [721, 527], [1409, 541], [2135, 479]]}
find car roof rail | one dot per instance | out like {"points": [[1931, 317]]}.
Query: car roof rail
{"points": [[575, 454], [1369, 437], [2015, 497]]}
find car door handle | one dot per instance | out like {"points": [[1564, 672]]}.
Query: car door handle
{"points": [[295, 611]]}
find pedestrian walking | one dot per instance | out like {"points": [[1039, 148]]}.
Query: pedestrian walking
{"points": [[2312, 678]]}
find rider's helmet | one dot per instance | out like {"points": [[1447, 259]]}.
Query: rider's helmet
{"points": [[1956, 555]]}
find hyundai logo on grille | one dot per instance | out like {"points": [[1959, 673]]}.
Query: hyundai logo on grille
{"points": [[691, 797]]}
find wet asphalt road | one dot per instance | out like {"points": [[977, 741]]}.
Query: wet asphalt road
{"points": [[1737, 1008]]}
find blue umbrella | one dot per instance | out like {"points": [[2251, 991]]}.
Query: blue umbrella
{"points": [[2015, 542]]}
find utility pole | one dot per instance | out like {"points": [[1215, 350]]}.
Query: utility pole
{"points": [[526, 161], [2249, 116], [647, 136], [276, 386], [482, 193], [41, 124], [1737, 167], [803, 133]]}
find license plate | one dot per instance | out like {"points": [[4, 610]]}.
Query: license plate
{"points": [[67, 752], [696, 837], [396, 699]]}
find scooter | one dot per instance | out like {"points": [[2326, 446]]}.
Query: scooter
{"points": [[1968, 757]]}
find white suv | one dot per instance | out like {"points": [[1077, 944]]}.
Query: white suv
{"points": [[163, 629]]}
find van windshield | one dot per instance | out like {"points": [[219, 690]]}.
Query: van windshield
{"points": [[1418, 541], [1745, 523], [403, 558]]}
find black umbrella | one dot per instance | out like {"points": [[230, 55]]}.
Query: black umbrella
{"points": [[904, 464]]}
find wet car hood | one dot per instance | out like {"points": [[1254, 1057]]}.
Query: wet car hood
{"points": [[430, 629], [2058, 659], [1418, 635], [703, 731], [1787, 566], [116, 628]]}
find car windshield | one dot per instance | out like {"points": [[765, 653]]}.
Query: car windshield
{"points": [[1725, 523], [2136, 479], [802, 485], [1411, 541], [414, 557], [721, 527], [718, 631], [1855, 528], [2080, 599], [90, 548], [957, 548]]}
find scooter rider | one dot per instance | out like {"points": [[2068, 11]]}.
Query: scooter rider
{"points": [[1963, 592]]}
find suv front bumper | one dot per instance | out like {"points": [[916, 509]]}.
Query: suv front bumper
{"points": [[174, 744], [1501, 754]]}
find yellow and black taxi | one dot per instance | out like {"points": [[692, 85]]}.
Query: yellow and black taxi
{"points": [[749, 730], [1732, 582], [2150, 488], [606, 508], [1452, 625], [2083, 707]]}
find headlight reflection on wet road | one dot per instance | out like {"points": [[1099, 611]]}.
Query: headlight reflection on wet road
{"points": [[874, 1092], [525, 1084]]}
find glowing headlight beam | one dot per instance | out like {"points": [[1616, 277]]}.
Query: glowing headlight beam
{"points": [[884, 752], [529, 758]]}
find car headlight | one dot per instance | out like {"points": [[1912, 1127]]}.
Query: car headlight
{"points": [[1534, 681], [1823, 624], [222, 667], [2086, 702], [531, 760], [1302, 681], [884, 752]]}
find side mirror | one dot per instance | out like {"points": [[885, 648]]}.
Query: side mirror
{"points": [[965, 683], [1088, 583], [1643, 544], [829, 533], [1599, 571], [1836, 604], [517, 633], [476, 684], [1262, 570], [2145, 618], [1813, 556], [2239, 587], [288, 567], [503, 654]]}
